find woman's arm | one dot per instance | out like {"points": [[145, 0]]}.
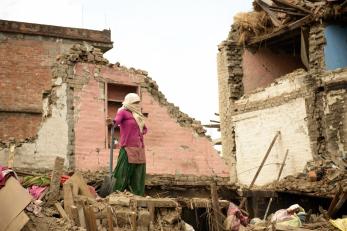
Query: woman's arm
{"points": [[119, 117]]}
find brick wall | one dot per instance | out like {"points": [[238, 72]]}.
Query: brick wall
{"points": [[170, 148], [25, 73], [264, 66]]}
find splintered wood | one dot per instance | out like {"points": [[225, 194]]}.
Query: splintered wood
{"points": [[54, 190]]}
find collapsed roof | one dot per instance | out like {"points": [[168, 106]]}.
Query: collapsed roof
{"points": [[272, 18]]}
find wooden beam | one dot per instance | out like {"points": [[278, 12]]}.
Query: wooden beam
{"points": [[68, 199], [278, 178], [271, 14], [109, 218], [215, 206], [79, 182], [282, 30], [61, 211], [293, 6], [334, 201]]}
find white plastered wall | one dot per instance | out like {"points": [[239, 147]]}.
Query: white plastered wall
{"points": [[254, 132]]}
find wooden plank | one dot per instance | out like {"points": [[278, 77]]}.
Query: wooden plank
{"points": [[304, 51], [92, 219], [272, 15], [68, 199], [151, 209], [340, 203], [81, 217], [278, 178], [109, 218], [75, 216], [293, 6], [77, 179], [61, 211], [54, 189], [334, 201], [282, 30]]}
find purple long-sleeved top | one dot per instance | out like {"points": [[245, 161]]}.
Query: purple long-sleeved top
{"points": [[130, 135]]}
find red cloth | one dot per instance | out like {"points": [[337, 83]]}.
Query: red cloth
{"points": [[131, 137]]}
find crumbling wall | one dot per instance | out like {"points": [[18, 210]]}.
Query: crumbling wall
{"points": [[175, 143], [25, 73], [230, 89], [52, 136], [335, 115]]}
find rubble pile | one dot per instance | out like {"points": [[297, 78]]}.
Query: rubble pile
{"points": [[320, 178], [83, 53]]}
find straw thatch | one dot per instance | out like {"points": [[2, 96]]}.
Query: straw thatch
{"points": [[250, 24]]}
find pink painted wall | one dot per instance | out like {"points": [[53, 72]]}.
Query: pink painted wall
{"points": [[263, 67], [170, 148]]}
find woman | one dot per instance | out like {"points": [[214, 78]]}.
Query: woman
{"points": [[130, 171]]}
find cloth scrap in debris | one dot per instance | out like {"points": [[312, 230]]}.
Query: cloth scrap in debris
{"points": [[235, 218], [341, 224], [36, 191], [36, 180]]}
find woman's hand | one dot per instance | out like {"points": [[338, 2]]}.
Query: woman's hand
{"points": [[109, 121]]}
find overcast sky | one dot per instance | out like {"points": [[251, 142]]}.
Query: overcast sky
{"points": [[174, 40]]}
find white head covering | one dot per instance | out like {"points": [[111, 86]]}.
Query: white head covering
{"points": [[131, 98], [129, 104]]}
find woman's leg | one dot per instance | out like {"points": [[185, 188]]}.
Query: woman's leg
{"points": [[137, 179], [121, 172]]}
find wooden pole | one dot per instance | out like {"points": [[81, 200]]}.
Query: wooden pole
{"points": [[334, 201], [260, 167], [215, 206], [278, 178]]}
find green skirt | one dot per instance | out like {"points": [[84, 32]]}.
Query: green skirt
{"points": [[128, 176]]}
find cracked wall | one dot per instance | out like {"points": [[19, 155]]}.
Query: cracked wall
{"points": [[52, 135]]}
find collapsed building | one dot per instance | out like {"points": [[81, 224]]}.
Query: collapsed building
{"points": [[57, 91], [282, 81]]}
